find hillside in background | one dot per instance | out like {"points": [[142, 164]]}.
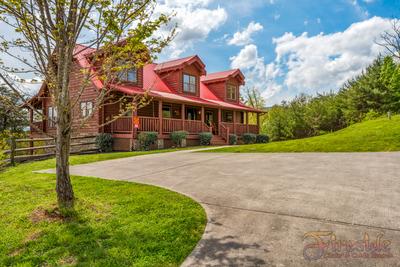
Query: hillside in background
{"points": [[381, 134]]}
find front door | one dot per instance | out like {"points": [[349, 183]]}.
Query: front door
{"points": [[209, 117]]}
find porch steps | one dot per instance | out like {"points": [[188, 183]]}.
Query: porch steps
{"points": [[217, 140]]}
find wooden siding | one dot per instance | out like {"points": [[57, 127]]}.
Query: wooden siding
{"points": [[220, 90], [90, 93], [174, 79]]}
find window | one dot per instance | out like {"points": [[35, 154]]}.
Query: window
{"points": [[166, 111], [189, 83], [231, 91], [132, 75], [52, 116], [86, 108], [128, 75], [191, 114], [227, 116]]}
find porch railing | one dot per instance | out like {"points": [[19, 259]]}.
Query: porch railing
{"points": [[193, 126], [37, 126], [123, 125], [148, 124], [172, 125], [253, 128], [224, 132], [240, 128]]}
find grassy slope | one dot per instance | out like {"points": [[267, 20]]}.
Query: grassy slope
{"points": [[375, 135], [117, 223]]}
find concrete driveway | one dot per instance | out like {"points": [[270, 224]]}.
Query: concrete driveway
{"points": [[263, 208]]}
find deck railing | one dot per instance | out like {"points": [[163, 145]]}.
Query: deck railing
{"points": [[229, 126], [224, 132], [123, 125], [37, 126], [148, 124], [253, 128], [240, 128], [193, 127], [172, 125]]}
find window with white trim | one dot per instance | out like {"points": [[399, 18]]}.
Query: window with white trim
{"points": [[231, 91], [189, 83], [51, 116], [86, 108]]}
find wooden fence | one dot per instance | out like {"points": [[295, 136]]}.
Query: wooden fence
{"points": [[40, 148]]}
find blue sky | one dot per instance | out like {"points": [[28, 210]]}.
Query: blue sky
{"points": [[284, 47]]}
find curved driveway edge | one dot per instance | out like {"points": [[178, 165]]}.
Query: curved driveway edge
{"points": [[261, 208]]}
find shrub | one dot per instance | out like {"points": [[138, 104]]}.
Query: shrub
{"points": [[205, 138], [104, 142], [146, 139], [233, 139], [249, 138], [262, 138], [372, 115], [178, 136]]}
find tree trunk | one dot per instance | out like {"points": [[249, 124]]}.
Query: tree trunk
{"points": [[65, 193]]}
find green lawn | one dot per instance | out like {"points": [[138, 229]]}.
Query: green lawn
{"points": [[375, 135], [116, 223]]}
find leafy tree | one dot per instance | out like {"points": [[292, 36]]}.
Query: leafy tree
{"points": [[278, 125], [48, 31], [12, 117]]}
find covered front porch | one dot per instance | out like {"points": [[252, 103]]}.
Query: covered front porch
{"points": [[166, 117]]}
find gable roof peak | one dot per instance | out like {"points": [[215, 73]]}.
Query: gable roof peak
{"points": [[223, 75], [180, 63]]}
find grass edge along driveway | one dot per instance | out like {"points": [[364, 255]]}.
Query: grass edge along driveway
{"points": [[378, 135], [116, 223]]}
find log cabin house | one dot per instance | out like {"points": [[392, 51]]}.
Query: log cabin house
{"points": [[183, 97]]}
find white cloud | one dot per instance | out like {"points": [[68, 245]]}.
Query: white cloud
{"points": [[241, 38], [194, 22], [324, 62], [247, 58], [312, 64], [258, 74]]}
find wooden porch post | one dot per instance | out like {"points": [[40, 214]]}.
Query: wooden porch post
{"points": [[202, 119], [219, 121], [247, 121], [44, 113], [234, 121], [31, 122], [258, 122], [183, 116], [134, 129], [160, 118]]}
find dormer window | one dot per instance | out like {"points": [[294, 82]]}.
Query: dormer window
{"points": [[231, 91], [128, 75], [189, 83]]}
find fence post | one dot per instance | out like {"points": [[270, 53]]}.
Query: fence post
{"points": [[12, 150]]}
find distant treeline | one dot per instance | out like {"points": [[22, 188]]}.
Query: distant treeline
{"points": [[371, 94]]}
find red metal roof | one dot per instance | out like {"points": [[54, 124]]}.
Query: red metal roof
{"points": [[222, 75], [180, 63], [154, 86]]}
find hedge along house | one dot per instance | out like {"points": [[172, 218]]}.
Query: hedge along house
{"points": [[182, 97]]}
